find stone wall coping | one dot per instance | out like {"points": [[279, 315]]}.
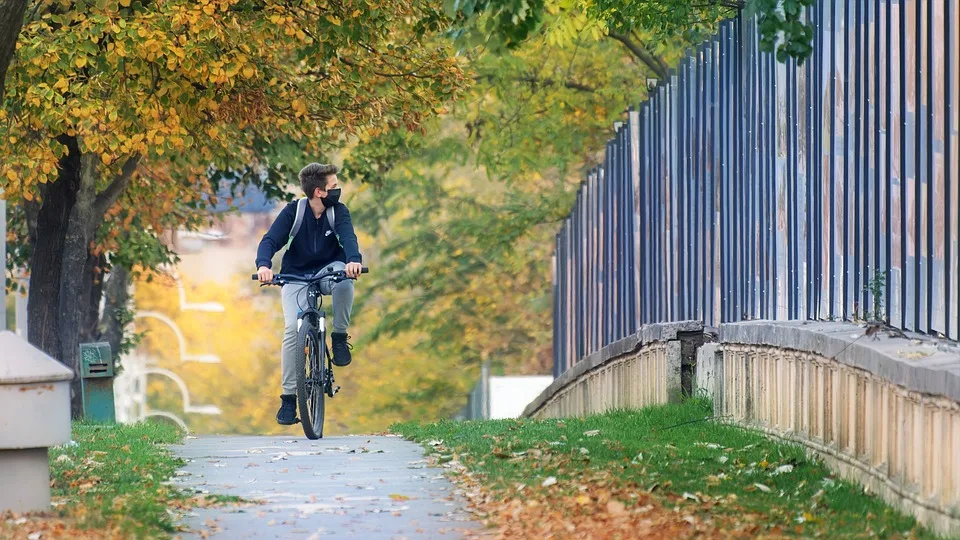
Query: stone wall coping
{"points": [[649, 333], [920, 363]]}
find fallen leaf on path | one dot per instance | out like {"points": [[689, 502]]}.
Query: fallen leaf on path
{"points": [[914, 355], [616, 508], [399, 497], [763, 488], [551, 480]]}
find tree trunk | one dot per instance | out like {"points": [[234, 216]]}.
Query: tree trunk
{"points": [[61, 277], [116, 294], [46, 241], [94, 271], [11, 21], [75, 284]]}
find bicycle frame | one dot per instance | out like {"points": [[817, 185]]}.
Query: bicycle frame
{"points": [[313, 301]]}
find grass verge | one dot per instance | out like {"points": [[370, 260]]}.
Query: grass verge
{"points": [[111, 484], [660, 472]]}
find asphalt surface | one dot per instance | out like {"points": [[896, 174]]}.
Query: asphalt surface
{"points": [[371, 487]]}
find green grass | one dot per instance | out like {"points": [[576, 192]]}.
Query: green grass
{"points": [[672, 451], [113, 478], [113, 481]]}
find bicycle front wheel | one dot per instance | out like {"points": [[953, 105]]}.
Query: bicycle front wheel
{"points": [[310, 380]]}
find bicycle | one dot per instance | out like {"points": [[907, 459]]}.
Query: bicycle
{"points": [[314, 379]]}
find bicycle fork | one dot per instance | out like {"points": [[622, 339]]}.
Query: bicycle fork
{"points": [[329, 389]]}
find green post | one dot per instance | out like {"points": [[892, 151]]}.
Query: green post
{"points": [[96, 382]]}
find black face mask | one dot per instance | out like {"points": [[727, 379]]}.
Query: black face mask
{"points": [[332, 198]]}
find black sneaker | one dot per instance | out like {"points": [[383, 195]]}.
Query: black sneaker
{"points": [[341, 349], [287, 415]]}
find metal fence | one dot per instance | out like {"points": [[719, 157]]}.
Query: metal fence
{"points": [[744, 188]]}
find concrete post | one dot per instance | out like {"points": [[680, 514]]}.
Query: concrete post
{"points": [[34, 415], [674, 372], [485, 391], [709, 374]]}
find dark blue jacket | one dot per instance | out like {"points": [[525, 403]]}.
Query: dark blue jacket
{"points": [[314, 246]]}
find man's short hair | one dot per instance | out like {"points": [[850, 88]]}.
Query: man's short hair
{"points": [[315, 176]]}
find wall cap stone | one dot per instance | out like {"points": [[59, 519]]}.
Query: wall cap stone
{"points": [[649, 333], [919, 363]]}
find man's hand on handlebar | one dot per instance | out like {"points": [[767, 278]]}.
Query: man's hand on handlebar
{"points": [[264, 274], [353, 270]]}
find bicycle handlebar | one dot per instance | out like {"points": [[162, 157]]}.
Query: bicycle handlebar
{"points": [[280, 279]]}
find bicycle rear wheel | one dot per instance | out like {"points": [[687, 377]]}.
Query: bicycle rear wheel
{"points": [[310, 380]]}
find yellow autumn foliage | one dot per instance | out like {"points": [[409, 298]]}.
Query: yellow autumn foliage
{"points": [[384, 384]]}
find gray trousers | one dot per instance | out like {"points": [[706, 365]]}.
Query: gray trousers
{"points": [[295, 300]]}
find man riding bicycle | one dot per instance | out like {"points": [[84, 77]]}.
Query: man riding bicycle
{"points": [[319, 237]]}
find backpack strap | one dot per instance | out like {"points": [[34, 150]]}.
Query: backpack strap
{"points": [[298, 220], [332, 218]]}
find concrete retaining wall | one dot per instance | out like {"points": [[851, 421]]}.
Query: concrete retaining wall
{"points": [[640, 370], [881, 410]]}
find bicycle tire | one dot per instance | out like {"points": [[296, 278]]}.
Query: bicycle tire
{"points": [[310, 397]]}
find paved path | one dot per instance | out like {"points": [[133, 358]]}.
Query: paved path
{"points": [[371, 487]]}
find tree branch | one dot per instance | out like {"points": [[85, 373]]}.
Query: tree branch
{"points": [[649, 59], [657, 57], [11, 21], [108, 196], [571, 84]]}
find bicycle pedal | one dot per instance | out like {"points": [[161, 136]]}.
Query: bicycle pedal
{"points": [[335, 390]]}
